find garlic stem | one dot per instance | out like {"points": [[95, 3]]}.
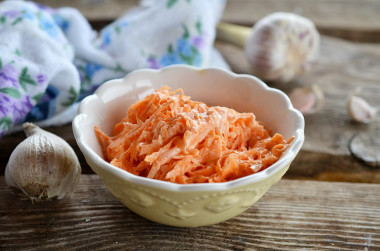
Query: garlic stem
{"points": [[30, 129], [232, 33]]}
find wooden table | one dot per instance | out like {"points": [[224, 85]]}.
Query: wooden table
{"points": [[327, 200], [292, 215]]}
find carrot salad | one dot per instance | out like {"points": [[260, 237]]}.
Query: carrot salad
{"points": [[169, 137]]}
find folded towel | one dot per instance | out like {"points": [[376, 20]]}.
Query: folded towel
{"points": [[51, 58]]}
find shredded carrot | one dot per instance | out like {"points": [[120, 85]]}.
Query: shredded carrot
{"points": [[169, 137]]}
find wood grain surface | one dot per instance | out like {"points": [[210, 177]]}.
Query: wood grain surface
{"points": [[350, 19], [292, 215], [301, 212]]}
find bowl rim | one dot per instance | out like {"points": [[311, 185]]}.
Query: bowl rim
{"points": [[166, 185]]}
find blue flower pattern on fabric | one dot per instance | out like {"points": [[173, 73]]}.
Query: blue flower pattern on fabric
{"points": [[187, 50], [92, 68], [45, 21], [106, 37], [170, 59], [184, 47], [198, 59], [61, 22], [122, 24], [49, 27], [106, 34], [46, 106], [17, 104], [28, 14]]}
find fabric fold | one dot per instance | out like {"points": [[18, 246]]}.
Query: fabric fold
{"points": [[50, 59]]}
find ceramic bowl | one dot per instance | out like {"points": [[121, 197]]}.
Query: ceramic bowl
{"points": [[187, 205]]}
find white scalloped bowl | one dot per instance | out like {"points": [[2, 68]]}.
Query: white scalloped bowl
{"points": [[187, 205]]}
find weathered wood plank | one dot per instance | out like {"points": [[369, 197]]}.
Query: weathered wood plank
{"points": [[292, 215], [349, 19], [95, 10]]}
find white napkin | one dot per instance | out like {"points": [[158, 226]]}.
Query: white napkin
{"points": [[51, 58]]}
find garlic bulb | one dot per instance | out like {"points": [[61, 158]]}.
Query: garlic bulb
{"points": [[43, 166], [279, 47], [282, 46], [359, 110]]}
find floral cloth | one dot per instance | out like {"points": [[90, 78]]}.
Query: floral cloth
{"points": [[51, 58]]}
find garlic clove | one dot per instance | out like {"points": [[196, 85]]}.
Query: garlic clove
{"points": [[307, 99], [359, 110], [282, 46], [43, 166], [365, 146]]}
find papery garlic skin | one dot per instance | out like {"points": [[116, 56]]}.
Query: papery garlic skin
{"points": [[282, 46], [359, 110], [43, 166], [307, 99]]}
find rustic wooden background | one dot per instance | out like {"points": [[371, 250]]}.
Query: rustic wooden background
{"points": [[303, 211], [356, 20], [343, 66], [293, 215]]}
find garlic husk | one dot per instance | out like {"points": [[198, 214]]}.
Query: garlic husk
{"points": [[43, 166], [307, 99], [359, 110], [282, 46]]}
